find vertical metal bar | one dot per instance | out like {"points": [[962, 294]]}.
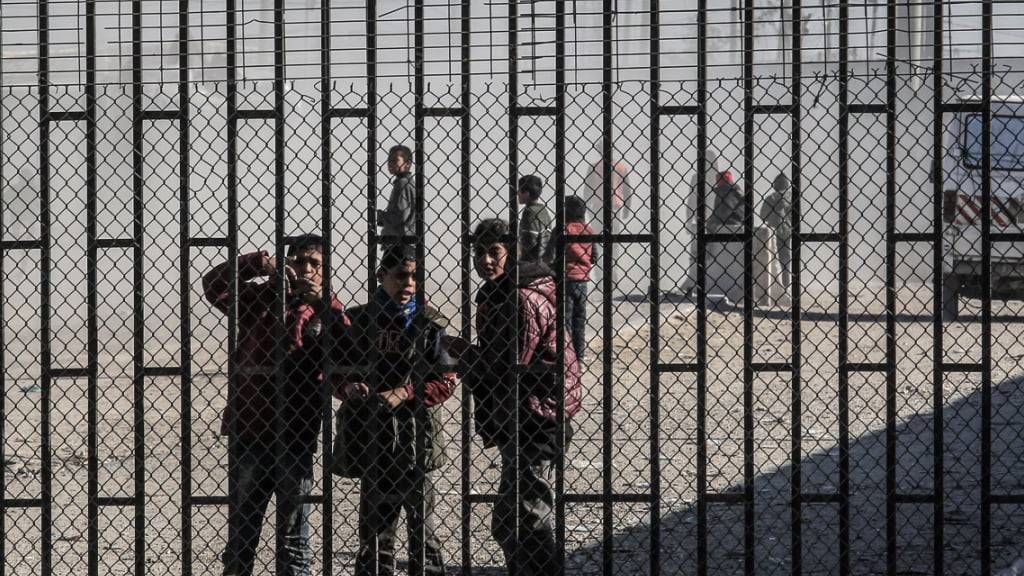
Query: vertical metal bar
{"points": [[138, 301], [280, 249], [986, 287], [890, 284], [938, 428], [417, 535], [748, 310], [371, 201], [46, 468], [371, 148], [231, 158], [185, 287], [607, 391], [512, 426], [655, 288], [844, 290], [700, 289], [466, 285], [796, 189], [91, 287], [559, 265], [326, 317]]}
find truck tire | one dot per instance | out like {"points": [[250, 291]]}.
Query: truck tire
{"points": [[950, 297]]}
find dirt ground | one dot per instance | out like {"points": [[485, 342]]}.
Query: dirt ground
{"points": [[771, 417]]}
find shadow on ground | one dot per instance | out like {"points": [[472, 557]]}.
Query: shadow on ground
{"points": [[819, 472]]}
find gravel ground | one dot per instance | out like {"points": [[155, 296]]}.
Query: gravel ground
{"points": [[771, 417]]}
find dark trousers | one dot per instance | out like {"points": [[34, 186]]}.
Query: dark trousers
{"points": [[532, 551], [381, 502], [576, 316], [257, 476]]}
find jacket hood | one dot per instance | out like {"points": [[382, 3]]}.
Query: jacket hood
{"points": [[539, 278]]}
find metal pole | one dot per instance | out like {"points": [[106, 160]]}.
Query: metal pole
{"points": [[185, 287], [46, 468], [844, 291], [231, 160], [559, 265], [986, 287], [938, 427], [327, 317], [138, 298], [417, 535], [655, 290], [890, 285], [607, 245], [512, 266], [748, 310], [700, 271], [796, 402], [91, 288], [466, 287], [280, 248]]}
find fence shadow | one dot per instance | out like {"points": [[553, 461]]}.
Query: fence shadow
{"points": [[961, 421]]}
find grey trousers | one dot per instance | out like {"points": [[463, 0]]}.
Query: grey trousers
{"points": [[533, 551]]}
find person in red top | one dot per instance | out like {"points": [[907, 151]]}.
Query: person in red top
{"points": [[275, 430], [579, 259]]}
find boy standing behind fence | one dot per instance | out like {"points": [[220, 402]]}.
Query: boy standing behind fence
{"points": [[579, 259], [516, 397], [274, 450], [377, 433], [398, 219]]}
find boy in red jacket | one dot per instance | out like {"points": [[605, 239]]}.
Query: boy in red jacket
{"points": [[515, 330], [275, 431], [579, 259]]}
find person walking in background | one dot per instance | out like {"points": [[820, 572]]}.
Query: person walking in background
{"points": [[535, 221], [399, 219], [516, 410], [579, 259], [692, 218], [274, 450], [383, 455], [776, 214]]}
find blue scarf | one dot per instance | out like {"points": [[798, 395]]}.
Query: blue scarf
{"points": [[391, 308]]}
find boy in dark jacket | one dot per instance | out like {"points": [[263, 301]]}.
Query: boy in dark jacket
{"points": [[579, 259], [399, 218], [388, 461], [535, 223], [520, 317], [274, 452]]}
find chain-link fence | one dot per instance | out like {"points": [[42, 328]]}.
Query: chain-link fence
{"points": [[776, 328]]}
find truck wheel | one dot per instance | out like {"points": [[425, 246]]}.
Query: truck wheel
{"points": [[950, 297]]}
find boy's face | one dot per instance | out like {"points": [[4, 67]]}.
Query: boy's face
{"points": [[524, 197], [490, 260], [308, 265], [780, 184], [397, 164], [399, 282]]}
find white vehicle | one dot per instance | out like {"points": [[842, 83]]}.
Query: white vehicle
{"points": [[962, 201]]}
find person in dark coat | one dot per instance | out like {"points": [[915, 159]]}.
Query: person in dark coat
{"points": [[274, 431], [379, 444], [517, 329]]}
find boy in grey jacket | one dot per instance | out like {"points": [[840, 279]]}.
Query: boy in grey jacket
{"points": [[535, 223], [399, 218]]}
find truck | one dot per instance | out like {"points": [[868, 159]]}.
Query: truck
{"points": [[962, 201]]}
